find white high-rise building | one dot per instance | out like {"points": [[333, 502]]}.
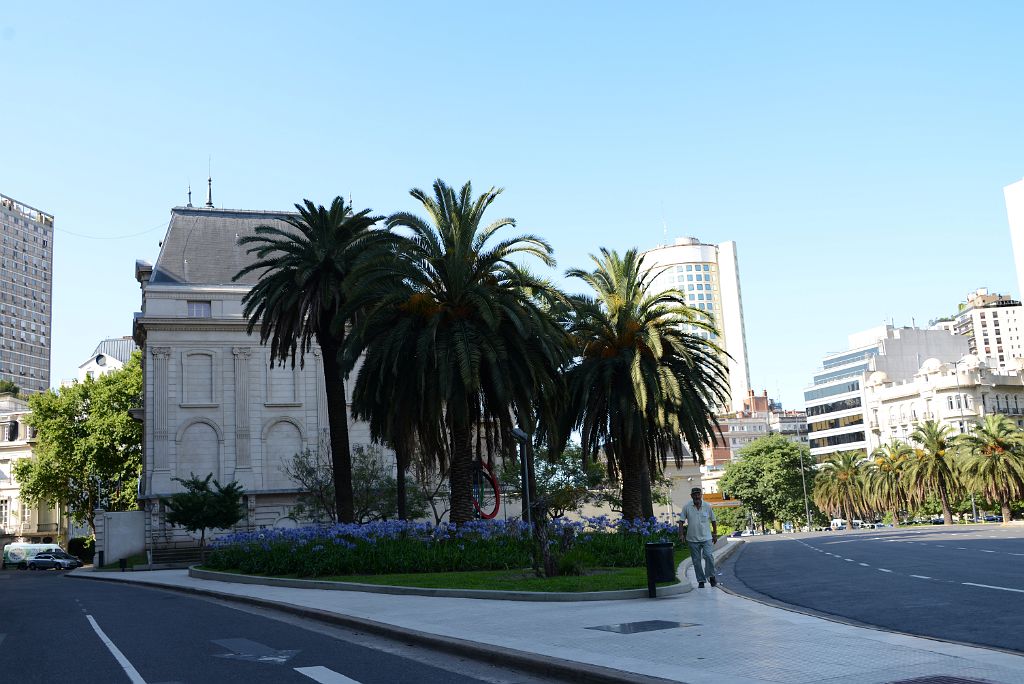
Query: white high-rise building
{"points": [[835, 402], [991, 323], [1014, 194], [710, 277]]}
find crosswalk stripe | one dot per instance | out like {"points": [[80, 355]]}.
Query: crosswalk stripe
{"points": [[324, 675]]}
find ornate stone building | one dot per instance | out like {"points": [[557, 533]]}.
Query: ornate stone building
{"points": [[213, 403]]}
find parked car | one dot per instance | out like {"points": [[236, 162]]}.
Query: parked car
{"points": [[938, 521], [993, 518], [57, 560]]}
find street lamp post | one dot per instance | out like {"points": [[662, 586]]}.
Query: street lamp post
{"points": [[803, 481], [960, 401]]}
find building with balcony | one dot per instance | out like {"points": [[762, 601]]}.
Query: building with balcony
{"points": [[709, 276], [991, 324], [835, 402], [19, 520], [26, 289], [958, 394]]}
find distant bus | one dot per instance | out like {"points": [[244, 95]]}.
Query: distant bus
{"points": [[18, 553]]}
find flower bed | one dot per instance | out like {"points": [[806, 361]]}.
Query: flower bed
{"points": [[403, 547]]}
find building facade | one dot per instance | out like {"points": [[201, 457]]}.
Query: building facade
{"points": [[835, 402], [709, 276], [213, 402], [19, 520], [991, 323], [26, 294], [958, 394], [1014, 196]]}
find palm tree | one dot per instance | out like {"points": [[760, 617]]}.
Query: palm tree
{"points": [[456, 316], [643, 383], [933, 467], [839, 484], [299, 298], [886, 486], [994, 460]]}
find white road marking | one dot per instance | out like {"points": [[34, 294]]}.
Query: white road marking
{"points": [[864, 564], [961, 548], [987, 551], [883, 570], [1017, 554], [132, 673], [848, 560], [921, 576], [324, 675], [989, 586]]}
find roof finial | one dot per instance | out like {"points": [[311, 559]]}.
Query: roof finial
{"points": [[189, 195], [209, 185]]}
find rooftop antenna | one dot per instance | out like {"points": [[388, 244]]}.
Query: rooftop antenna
{"points": [[189, 195], [209, 184]]}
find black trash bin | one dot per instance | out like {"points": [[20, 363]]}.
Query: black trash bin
{"points": [[661, 565], [122, 563]]}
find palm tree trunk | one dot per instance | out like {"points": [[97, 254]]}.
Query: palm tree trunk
{"points": [[947, 513], [646, 498], [849, 518], [337, 420], [1004, 504], [402, 465], [632, 498], [460, 474], [895, 517]]}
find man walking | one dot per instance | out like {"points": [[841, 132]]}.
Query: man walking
{"points": [[698, 519]]}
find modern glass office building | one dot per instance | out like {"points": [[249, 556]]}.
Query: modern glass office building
{"points": [[26, 291]]}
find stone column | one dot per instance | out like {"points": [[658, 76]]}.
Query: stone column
{"points": [[243, 457], [161, 458]]}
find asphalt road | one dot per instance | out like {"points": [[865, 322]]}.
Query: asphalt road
{"points": [[963, 584], [58, 629]]}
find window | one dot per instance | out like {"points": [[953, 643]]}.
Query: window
{"points": [[199, 309], [689, 267], [706, 267]]}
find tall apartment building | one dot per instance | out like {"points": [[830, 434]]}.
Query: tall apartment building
{"points": [[1014, 196], [26, 289], [991, 323], [710, 277], [835, 402]]}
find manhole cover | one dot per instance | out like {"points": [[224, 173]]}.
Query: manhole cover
{"points": [[940, 679], [642, 626]]}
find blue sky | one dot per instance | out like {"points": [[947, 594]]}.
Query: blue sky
{"points": [[855, 151]]}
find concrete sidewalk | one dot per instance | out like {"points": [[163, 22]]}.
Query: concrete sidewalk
{"points": [[720, 638]]}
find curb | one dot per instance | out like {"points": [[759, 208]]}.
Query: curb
{"points": [[623, 594], [533, 663], [723, 549]]}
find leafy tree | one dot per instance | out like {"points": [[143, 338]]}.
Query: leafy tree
{"points": [[839, 484], [88, 450], [373, 483], [8, 387], [482, 347], [886, 478], [994, 460], [643, 383], [766, 478], [300, 297], [564, 482], [202, 507], [933, 467]]}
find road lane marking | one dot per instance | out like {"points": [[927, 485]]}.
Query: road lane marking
{"points": [[921, 576], [883, 570], [864, 564], [848, 560], [989, 586], [132, 673], [961, 548], [324, 675], [987, 551]]}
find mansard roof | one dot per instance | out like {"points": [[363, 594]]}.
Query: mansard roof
{"points": [[201, 246], [120, 348]]}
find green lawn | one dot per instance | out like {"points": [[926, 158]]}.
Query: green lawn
{"points": [[598, 579]]}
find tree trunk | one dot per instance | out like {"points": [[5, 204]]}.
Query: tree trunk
{"points": [[646, 497], [632, 500], [895, 517], [849, 517], [1004, 504], [402, 465], [947, 513], [460, 475], [337, 420]]}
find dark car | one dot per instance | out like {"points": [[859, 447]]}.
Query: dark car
{"points": [[53, 559], [993, 518]]}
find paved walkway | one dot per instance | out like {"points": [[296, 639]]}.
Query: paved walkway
{"points": [[721, 638]]}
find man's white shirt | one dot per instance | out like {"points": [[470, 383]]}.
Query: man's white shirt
{"points": [[698, 521]]}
